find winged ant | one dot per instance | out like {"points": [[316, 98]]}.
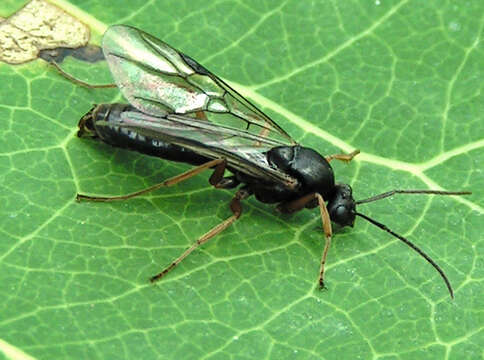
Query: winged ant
{"points": [[178, 110]]}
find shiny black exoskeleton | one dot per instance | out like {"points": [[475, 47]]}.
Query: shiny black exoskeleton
{"points": [[100, 123], [312, 171], [314, 174]]}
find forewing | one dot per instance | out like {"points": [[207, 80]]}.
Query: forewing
{"points": [[159, 80], [242, 150]]}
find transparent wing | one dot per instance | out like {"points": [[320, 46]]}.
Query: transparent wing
{"points": [[159, 80], [242, 150]]}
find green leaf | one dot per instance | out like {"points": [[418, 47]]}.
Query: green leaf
{"points": [[400, 80]]}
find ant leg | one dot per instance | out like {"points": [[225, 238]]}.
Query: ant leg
{"points": [[299, 204], [219, 168], [218, 174], [328, 233], [228, 182], [218, 181], [235, 207], [77, 81], [343, 157]]}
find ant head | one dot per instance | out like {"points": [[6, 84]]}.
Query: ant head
{"points": [[342, 206]]}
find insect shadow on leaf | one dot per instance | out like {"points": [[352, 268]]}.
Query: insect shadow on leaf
{"points": [[180, 111]]}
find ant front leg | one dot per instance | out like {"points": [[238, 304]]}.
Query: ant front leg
{"points": [[299, 204], [343, 157]]}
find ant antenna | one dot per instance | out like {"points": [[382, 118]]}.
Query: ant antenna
{"points": [[392, 192], [401, 238], [414, 247]]}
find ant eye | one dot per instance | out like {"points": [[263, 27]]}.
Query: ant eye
{"points": [[342, 215], [340, 211]]}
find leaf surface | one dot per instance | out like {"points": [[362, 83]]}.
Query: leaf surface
{"points": [[400, 80]]}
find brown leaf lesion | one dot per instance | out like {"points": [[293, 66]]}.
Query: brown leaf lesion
{"points": [[37, 26]]}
